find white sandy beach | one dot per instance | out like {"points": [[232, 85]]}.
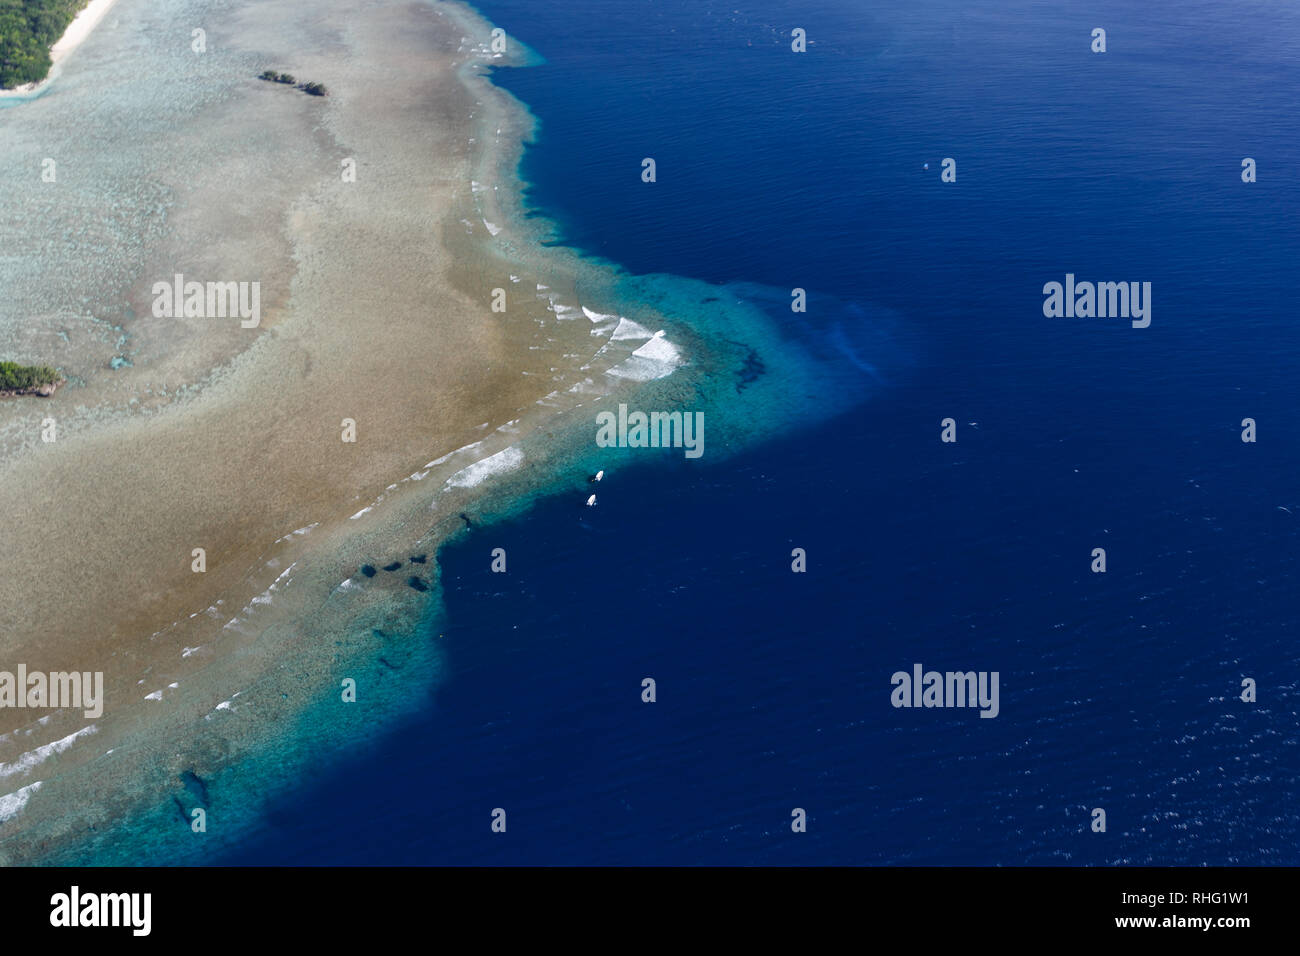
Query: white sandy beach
{"points": [[80, 28]]}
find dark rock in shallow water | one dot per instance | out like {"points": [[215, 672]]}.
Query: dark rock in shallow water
{"points": [[417, 583], [368, 570], [195, 785], [419, 558], [465, 518], [180, 808], [393, 567]]}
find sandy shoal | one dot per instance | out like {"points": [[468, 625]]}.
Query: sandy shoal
{"points": [[375, 310]]}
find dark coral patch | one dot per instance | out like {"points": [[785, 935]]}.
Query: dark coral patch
{"points": [[195, 785]]}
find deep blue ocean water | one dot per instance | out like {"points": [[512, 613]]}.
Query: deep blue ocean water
{"points": [[1117, 690]]}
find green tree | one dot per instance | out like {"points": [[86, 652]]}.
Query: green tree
{"points": [[28, 28], [15, 376]]}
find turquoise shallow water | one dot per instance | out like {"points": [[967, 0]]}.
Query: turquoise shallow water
{"points": [[400, 668]]}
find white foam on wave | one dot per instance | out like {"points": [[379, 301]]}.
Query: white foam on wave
{"points": [[627, 329], [503, 461], [658, 358], [224, 705], [492, 227], [660, 349], [11, 804], [291, 534], [639, 370], [601, 322], [439, 461], [265, 596], [419, 476], [34, 757]]}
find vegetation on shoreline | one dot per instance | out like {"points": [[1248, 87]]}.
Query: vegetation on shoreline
{"points": [[22, 378], [271, 76], [28, 28]]}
